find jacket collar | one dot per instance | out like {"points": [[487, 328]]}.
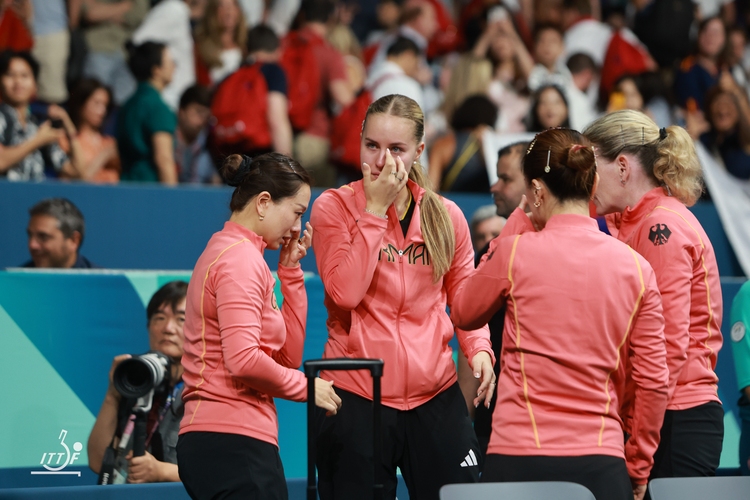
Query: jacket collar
{"points": [[644, 206], [240, 230]]}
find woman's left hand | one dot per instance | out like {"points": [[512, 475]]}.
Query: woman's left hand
{"points": [[296, 248], [481, 364]]}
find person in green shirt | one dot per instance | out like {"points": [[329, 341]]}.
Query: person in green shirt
{"points": [[145, 124], [740, 333]]}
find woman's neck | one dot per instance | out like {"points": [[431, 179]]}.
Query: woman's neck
{"points": [[709, 63], [403, 198], [571, 207], [157, 83], [227, 39]]}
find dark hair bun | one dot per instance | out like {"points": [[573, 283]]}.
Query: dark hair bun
{"points": [[235, 168], [580, 158]]}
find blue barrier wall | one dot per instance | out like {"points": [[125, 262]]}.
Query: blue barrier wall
{"points": [[153, 227], [60, 332]]}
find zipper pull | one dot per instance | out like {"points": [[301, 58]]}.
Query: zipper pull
{"points": [[400, 255]]}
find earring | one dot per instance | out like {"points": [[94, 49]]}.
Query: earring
{"points": [[414, 162], [537, 204], [262, 217], [622, 181], [546, 169]]}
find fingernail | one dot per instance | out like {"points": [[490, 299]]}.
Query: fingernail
{"points": [[476, 375]]}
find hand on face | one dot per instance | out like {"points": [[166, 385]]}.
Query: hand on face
{"points": [[381, 192], [293, 250]]}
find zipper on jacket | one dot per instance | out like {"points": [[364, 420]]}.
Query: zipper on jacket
{"points": [[398, 325]]}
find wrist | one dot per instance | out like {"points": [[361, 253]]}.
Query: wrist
{"points": [[378, 211]]}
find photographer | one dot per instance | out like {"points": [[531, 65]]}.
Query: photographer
{"points": [[29, 150], [166, 315]]}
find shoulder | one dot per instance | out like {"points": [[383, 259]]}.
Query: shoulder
{"points": [[457, 216], [275, 77], [335, 198], [671, 221]]}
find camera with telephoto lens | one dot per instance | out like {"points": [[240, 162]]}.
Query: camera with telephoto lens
{"points": [[139, 375]]}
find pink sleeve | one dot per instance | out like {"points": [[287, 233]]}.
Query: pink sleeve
{"points": [[240, 307], [518, 223], [346, 258], [294, 312], [673, 266], [650, 376], [476, 338], [485, 291]]}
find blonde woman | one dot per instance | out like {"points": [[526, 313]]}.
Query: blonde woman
{"points": [[392, 254], [219, 42], [649, 176]]}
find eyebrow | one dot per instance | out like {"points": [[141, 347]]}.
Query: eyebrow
{"points": [[400, 144], [303, 207]]}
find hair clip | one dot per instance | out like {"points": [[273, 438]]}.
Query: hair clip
{"points": [[593, 149], [532, 144], [549, 152], [662, 133], [643, 136]]}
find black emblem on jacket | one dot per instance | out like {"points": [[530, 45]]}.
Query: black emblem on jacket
{"points": [[659, 234]]}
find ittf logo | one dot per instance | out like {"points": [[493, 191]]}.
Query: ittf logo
{"points": [[56, 461]]}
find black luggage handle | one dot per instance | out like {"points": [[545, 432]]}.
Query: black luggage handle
{"points": [[311, 368]]}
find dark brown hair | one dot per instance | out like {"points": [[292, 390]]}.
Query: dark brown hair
{"points": [[275, 173], [572, 164], [82, 92]]}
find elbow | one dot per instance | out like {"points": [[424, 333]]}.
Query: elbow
{"points": [[346, 302]]}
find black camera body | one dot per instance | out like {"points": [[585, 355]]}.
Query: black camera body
{"points": [[140, 375]]}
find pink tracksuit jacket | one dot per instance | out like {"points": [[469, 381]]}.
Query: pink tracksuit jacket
{"points": [[241, 349], [381, 299], [668, 235], [579, 304]]}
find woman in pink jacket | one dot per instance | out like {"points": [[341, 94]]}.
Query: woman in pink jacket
{"points": [[241, 349], [579, 305], [649, 176], [392, 254]]}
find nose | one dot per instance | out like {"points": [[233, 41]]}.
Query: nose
{"points": [[380, 162], [171, 326], [495, 188], [33, 244], [297, 226]]}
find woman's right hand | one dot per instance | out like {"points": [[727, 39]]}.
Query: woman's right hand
{"points": [[381, 192], [326, 397]]}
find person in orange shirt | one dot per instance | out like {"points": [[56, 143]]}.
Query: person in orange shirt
{"points": [[649, 176], [391, 255], [579, 305], [242, 349]]}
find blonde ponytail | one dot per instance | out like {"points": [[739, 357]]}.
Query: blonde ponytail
{"points": [[677, 166], [437, 226]]}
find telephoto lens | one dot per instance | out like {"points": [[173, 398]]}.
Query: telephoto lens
{"points": [[139, 375]]}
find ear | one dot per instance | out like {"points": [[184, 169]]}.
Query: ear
{"points": [[75, 239], [624, 166], [262, 202], [420, 149]]}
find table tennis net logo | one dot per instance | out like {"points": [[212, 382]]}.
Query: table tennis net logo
{"points": [[54, 462]]}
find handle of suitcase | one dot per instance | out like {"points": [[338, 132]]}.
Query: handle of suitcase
{"points": [[312, 367]]}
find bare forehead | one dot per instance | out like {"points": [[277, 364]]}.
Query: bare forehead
{"points": [[389, 128]]}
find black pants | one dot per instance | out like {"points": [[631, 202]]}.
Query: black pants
{"points": [[433, 445], [606, 476], [217, 466], [691, 442]]}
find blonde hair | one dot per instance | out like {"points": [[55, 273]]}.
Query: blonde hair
{"points": [[208, 34], [668, 157], [470, 75], [436, 223]]}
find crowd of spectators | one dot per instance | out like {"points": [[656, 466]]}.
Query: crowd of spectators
{"points": [[131, 90]]}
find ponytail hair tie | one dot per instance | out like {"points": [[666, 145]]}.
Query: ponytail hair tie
{"points": [[576, 147], [245, 167], [662, 133]]}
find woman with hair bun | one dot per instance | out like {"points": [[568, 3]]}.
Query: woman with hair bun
{"points": [[581, 306], [649, 176], [391, 255], [241, 349]]}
